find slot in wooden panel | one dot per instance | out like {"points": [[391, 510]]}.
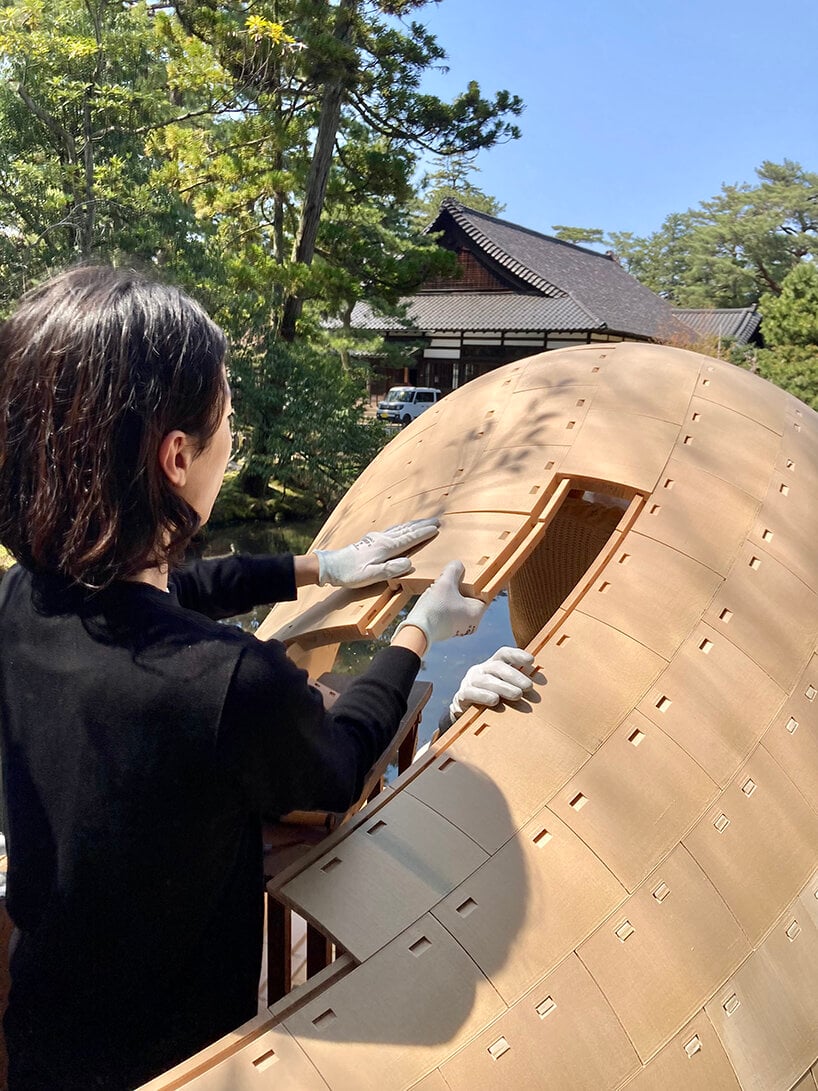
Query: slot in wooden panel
{"points": [[770, 1030], [657, 384], [692, 1061], [657, 597], [605, 449], [579, 1044], [535, 900], [789, 511], [384, 883], [532, 420], [792, 738], [502, 479], [595, 677], [583, 365], [682, 948], [720, 433], [372, 1045], [774, 614], [744, 393], [523, 758], [274, 1059], [760, 861], [643, 798], [721, 702], [702, 516]]}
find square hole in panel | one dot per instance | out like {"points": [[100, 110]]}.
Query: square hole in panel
{"points": [[725, 615], [636, 737], [578, 802], [624, 931], [661, 892], [498, 1048], [810, 693], [731, 1004], [542, 838], [692, 1047], [755, 563], [266, 1060], [748, 787], [706, 646], [793, 931], [767, 534], [664, 703], [721, 823], [791, 724], [545, 1007], [784, 489]]}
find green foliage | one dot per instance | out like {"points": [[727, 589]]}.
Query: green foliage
{"points": [[589, 236], [262, 155], [451, 176], [792, 367], [736, 246], [303, 419], [791, 317]]}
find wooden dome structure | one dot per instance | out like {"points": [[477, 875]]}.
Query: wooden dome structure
{"points": [[613, 883]]}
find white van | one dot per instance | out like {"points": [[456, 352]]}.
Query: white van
{"points": [[403, 403]]}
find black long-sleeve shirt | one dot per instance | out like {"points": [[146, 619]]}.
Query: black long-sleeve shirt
{"points": [[142, 744]]}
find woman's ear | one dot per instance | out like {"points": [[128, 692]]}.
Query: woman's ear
{"points": [[175, 457]]}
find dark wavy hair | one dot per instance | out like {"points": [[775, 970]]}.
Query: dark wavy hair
{"points": [[97, 365]]}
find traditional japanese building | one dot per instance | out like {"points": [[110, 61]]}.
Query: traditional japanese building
{"points": [[518, 292]]}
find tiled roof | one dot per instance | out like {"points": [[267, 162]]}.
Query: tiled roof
{"points": [[738, 323], [594, 281], [484, 311]]}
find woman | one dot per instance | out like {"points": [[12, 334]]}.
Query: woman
{"points": [[142, 741]]}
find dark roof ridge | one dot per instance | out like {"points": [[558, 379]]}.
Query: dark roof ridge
{"points": [[452, 205], [722, 310], [456, 210]]}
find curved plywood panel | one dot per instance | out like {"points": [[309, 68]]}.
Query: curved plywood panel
{"points": [[615, 882]]}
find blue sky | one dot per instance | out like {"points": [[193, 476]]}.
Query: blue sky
{"points": [[634, 108]]}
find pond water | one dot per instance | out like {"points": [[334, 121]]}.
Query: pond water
{"points": [[443, 665]]}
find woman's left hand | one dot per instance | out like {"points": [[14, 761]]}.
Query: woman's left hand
{"points": [[375, 557]]}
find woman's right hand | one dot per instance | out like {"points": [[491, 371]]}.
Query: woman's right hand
{"points": [[442, 611]]}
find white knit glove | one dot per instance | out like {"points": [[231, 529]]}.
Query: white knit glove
{"points": [[374, 557], [441, 611], [500, 678]]}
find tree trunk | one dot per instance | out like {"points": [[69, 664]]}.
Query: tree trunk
{"points": [[331, 102]]}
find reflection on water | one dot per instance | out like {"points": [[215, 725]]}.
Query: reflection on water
{"points": [[443, 665]]}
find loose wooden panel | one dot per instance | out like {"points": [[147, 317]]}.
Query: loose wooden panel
{"points": [[651, 592], [595, 674], [767, 1013], [659, 384], [624, 448], [710, 438], [563, 1034], [327, 614], [359, 1040], [792, 738], [714, 701], [374, 883], [699, 514], [531, 903], [478, 539], [273, 1060], [635, 798], [744, 393], [667, 948], [534, 420], [767, 612], [758, 844], [524, 759], [786, 526], [693, 1061]]}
